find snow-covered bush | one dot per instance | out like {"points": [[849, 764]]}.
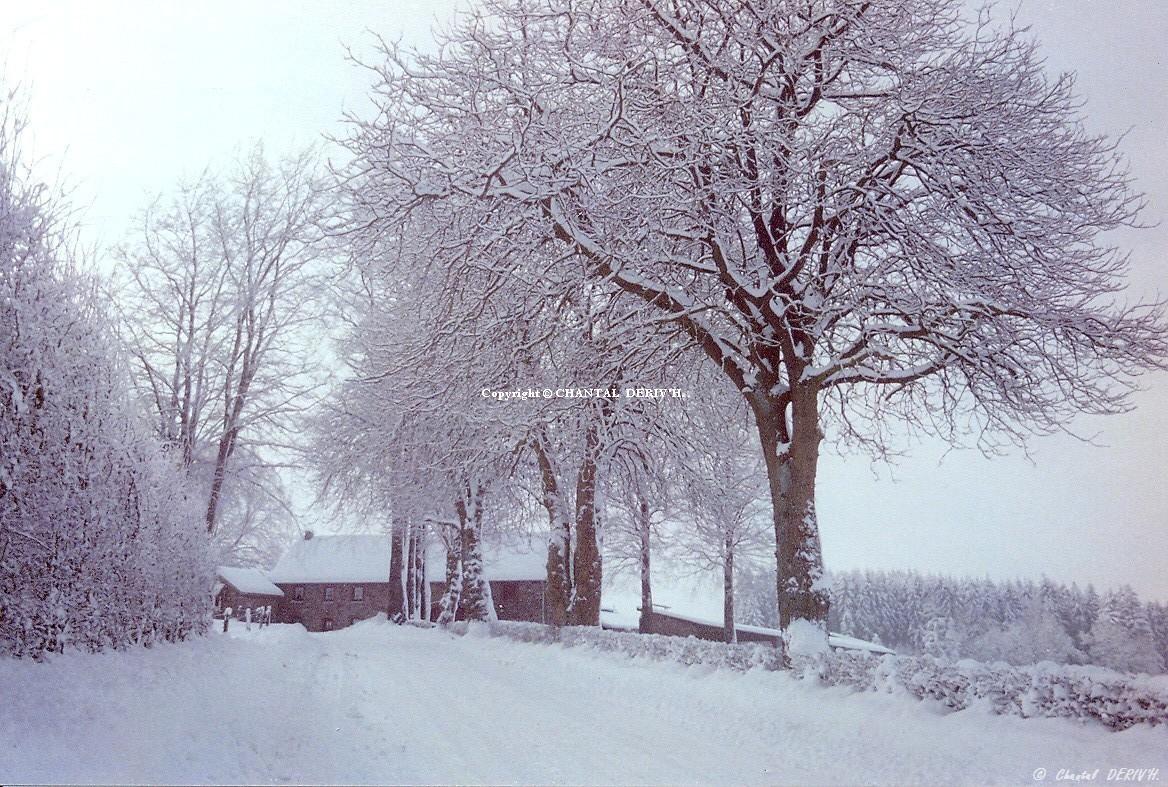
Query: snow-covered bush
{"points": [[98, 544], [1043, 690], [684, 650]]}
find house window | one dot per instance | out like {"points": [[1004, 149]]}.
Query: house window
{"points": [[298, 593], [328, 594], [328, 624], [358, 592]]}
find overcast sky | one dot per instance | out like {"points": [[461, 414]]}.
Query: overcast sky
{"points": [[126, 98]]}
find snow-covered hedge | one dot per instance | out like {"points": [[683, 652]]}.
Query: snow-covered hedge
{"points": [[1044, 690], [685, 650], [100, 544], [1053, 690]]}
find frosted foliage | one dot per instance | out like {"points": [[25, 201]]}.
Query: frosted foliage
{"points": [[1035, 636], [870, 218], [940, 638], [1113, 646], [1015, 622], [99, 545], [1122, 636]]}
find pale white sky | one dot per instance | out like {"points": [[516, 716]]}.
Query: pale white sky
{"points": [[125, 98]]}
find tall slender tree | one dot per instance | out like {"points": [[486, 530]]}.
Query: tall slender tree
{"points": [[217, 289]]}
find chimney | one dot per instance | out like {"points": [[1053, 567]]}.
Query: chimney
{"points": [[307, 535]]}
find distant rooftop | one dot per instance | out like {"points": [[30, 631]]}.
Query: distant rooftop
{"points": [[248, 580], [348, 558], [365, 558]]}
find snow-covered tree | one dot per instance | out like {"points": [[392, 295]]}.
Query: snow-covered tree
{"points": [[638, 503], [217, 288], [1036, 635], [862, 213], [940, 638], [1158, 619], [1121, 637], [722, 495], [409, 436]]}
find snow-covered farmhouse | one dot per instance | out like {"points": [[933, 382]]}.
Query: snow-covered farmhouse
{"points": [[329, 582], [241, 588]]}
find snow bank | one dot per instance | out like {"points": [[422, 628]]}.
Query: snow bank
{"points": [[658, 647], [805, 638], [1116, 700]]}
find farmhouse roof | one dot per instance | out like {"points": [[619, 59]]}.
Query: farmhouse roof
{"points": [[348, 558], [248, 580]]}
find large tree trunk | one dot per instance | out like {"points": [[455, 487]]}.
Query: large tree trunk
{"points": [[448, 604], [475, 602], [729, 634], [791, 452], [586, 565], [558, 593], [427, 601], [645, 625]]}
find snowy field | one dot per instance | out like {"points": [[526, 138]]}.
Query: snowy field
{"points": [[386, 704]]}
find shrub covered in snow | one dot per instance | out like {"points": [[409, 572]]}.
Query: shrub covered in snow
{"points": [[685, 650], [1046, 689], [99, 545], [1043, 690]]}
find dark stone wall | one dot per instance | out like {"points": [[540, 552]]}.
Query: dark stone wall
{"points": [[230, 597], [521, 600], [313, 610]]}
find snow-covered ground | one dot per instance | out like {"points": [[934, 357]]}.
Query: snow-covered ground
{"points": [[388, 704]]}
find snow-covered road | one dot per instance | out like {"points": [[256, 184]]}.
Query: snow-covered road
{"points": [[386, 704]]}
